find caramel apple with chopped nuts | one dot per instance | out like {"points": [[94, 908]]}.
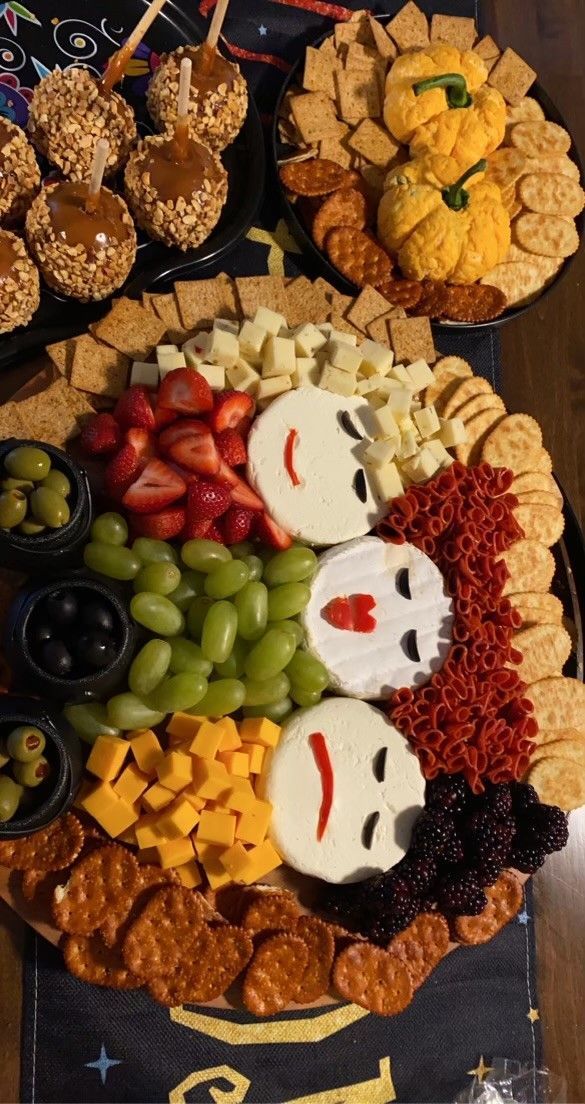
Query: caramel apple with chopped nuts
{"points": [[20, 178], [19, 283]]}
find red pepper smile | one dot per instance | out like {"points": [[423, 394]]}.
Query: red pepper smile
{"points": [[289, 448], [325, 768]]}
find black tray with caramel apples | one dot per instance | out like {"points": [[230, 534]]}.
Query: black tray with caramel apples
{"points": [[364, 138], [87, 41]]}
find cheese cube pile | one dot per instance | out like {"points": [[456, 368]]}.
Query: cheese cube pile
{"points": [[195, 805]]}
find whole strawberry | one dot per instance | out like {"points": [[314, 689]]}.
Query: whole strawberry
{"points": [[100, 435]]}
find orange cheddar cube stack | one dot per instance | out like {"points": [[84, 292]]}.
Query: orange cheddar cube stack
{"points": [[195, 804]]}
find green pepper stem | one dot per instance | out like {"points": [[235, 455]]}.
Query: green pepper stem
{"points": [[456, 196], [454, 84]]}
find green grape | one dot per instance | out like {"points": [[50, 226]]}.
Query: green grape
{"points": [[304, 698], [254, 565], [227, 579], [275, 711], [223, 696], [150, 550], [187, 656], [204, 555], [291, 627], [242, 549], [291, 566], [219, 631], [268, 691], [157, 613], [90, 720], [196, 615], [149, 667], [190, 587], [287, 600], [111, 560], [252, 606], [270, 655], [158, 578], [126, 711], [109, 528], [307, 673], [179, 692], [233, 666]]}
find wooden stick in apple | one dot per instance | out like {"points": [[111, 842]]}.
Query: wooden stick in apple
{"points": [[209, 48], [119, 60], [102, 149], [181, 135]]}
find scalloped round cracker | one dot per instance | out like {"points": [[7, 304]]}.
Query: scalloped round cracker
{"points": [[541, 523], [422, 945], [372, 978], [547, 736], [274, 974], [518, 280], [528, 108], [558, 702], [477, 385], [551, 194], [511, 443], [558, 783], [535, 481], [505, 167], [537, 138], [538, 609], [555, 163], [550, 235], [478, 429], [504, 898], [531, 566], [345, 207], [545, 650], [538, 498], [566, 748], [88, 958], [479, 403]]}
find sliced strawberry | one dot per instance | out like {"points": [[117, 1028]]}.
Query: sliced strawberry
{"points": [[133, 408], [156, 487], [142, 442], [197, 453], [270, 533], [163, 417], [162, 526], [231, 447], [121, 471], [244, 426], [241, 492], [201, 528], [236, 524], [186, 427], [186, 391], [207, 500], [229, 408], [187, 476], [100, 435]]}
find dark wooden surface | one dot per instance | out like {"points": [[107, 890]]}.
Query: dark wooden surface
{"points": [[544, 375]]}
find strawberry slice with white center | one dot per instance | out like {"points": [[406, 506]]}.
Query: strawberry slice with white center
{"points": [[142, 442], [121, 471], [186, 427], [157, 486], [229, 409], [241, 492], [270, 533], [196, 452], [186, 391], [162, 526]]}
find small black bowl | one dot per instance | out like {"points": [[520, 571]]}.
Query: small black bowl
{"points": [[63, 750], [55, 548], [20, 655]]}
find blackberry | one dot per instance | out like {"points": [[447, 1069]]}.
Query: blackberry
{"points": [[488, 871], [546, 827], [432, 831], [382, 927], [461, 894], [453, 852], [523, 796], [341, 901], [498, 799], [449, 793], [527, 859], [385, 891], [418, 872], [489, 838]]}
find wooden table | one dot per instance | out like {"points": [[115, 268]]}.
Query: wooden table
{"points": [[544, 375]]}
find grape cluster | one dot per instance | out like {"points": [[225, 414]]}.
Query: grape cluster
{"points": [[225, 634], [460, 844]]}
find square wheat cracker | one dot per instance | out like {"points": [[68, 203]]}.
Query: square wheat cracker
{"points": [[305, 302], [487, 49], [260, 291], [147, 301], [11, 423], [167, 309], [130, 328], [98, 368], [512, 76], [52, 415], [318, 73], [368, 306], [409, 28], [200, 301], [384, 44], [337, 149], [374, 142], [355, 30], [314, 116], [412, 339], [357, 96], [361, 57], [61, 354], [378, 329], [457, 30]]}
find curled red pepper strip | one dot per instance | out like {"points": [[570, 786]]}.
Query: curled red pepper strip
{"points": [[289, 450]]}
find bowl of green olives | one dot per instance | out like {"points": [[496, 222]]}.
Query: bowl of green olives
{"points": [[40, 766], [68, 638], [45, 506]]}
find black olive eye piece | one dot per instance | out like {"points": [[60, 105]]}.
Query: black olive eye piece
{"points": [[410, 646], [379, 764], [359, 485], [347, 425], [369, 827], [403, 583]]}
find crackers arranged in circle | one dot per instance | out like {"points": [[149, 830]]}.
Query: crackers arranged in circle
{"points": [[512, 442]]}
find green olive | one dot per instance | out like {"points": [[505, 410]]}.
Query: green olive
{"points": [[31, 528], [27, 462], [32, 774], [9, 798], [13, 506], [11, 484], [25, 743], [57, 481], [4, 756], [49, 508]]}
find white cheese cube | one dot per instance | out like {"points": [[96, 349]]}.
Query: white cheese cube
{"points": [[166, 349], [242, 377], [408, 445], [386, 385], [308, 339], [387, 482], [420, 374], [269, 320], [385, 423], [214, 374], [340, 335], [399, 401], [422, 466], [279, 357], [224, 348], [226, 324], [252, 339], [376, 401], [268, 389], [144, 374], [376, 358], [427, 421], [337, 381], [170, 361], [415, 405], [344, 356], [325, 328], [306, 373], [452, 432], [366, 385], [407, 425], [399, 372], [195, 348], [440, 453], [380, 453]]}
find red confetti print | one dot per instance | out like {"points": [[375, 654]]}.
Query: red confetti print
{"points": [[330, 11], [206, 6], [264, 59]]}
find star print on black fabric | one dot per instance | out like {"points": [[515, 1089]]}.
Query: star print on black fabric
{"points": [[262, 30], [103, 1064], [481, 1070], [523, 917]]}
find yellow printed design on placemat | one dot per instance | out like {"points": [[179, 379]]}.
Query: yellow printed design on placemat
{"points": [[308, 1029], [279, 241], [378, 1090]]}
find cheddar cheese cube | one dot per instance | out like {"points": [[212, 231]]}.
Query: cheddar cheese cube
{"points": [[146, 750], [261, 860], [99, 798], [240, 795], [83, 791], [190, 795], [189, 874], [217, 828], [256, 755], [175, 770], [207, 740], [147, 831], [178, 819], [215, 871], [230, 737], [113, 814], [156, 797], [259, 730], [236, 762], [147, 855], [107, 756], [210, 778], [131, 784], [128, 836], [235, 861], [183, 726], [253, 824], [175, 852]]}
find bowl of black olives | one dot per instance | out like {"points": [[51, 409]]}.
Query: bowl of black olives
{"points": [[68, 638], [40, 766], [45, 506]]}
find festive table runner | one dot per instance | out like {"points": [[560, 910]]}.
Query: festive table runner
{"points": [[82, 1043]]}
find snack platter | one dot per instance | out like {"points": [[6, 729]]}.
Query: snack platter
{"points": [[309, 713]]}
